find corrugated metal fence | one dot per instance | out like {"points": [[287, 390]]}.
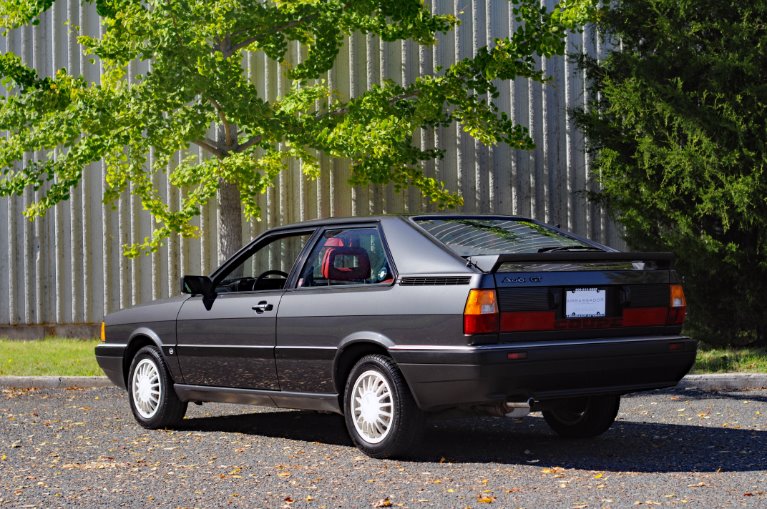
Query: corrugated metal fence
{"points": [[67, 268]]}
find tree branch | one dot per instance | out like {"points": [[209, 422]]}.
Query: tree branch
{"points": [[228, 49], [213, 147], [222, 116], [245, 146], [343, 111]]}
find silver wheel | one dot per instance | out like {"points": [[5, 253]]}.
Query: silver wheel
{"points": [[371, 406], [146, 388]]}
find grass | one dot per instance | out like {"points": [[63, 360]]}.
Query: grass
{"points": [[74, 357], [730, 360], [50, 356]]}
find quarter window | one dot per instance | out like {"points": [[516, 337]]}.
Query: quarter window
{"points": [[350, 256]]}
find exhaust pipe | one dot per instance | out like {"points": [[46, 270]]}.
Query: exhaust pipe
{"points": [[516, 410]]}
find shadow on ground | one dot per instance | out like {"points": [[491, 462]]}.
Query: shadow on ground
{"points": [[627, 447]]}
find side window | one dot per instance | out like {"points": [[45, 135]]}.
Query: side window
{"points": [[266, 268], [350, 256]]}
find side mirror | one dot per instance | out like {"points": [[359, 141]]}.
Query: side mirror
{"points": [[196, 285], [199, 285]]}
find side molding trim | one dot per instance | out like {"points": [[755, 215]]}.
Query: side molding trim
{"points": [[279, 399]]}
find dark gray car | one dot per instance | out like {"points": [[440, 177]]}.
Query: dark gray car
{"points": [[389, 319]]}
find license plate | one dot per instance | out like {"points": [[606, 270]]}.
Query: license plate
{"points": [[585, 302]]}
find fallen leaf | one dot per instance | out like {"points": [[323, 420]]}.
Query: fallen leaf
{"points": [[698, 485], [485, 499], [384, 502]]}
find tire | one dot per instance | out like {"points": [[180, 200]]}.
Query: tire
{"points": [[381, 415], [583, 417], [152, 399]]}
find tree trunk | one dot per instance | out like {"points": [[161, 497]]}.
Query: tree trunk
{"points": [[229, 220], [229, 206]]}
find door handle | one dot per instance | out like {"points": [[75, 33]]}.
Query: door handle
{"points": [[262, 306]]}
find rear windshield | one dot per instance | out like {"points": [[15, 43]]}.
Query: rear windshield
{"points": [[494, 236]]}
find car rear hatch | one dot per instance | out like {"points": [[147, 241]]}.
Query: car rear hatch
{"points": [[570, 295]]}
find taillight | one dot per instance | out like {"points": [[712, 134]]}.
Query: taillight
{"points": [[519, 321], [480, 316], [677, 306]]}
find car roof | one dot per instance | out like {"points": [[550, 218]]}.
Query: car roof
{"points": [[384, 217]]}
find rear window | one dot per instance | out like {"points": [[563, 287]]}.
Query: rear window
{"points": [[494, 236]]}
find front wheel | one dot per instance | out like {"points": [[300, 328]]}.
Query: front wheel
{"points": [[150, 391], [583, 417], [381, 415]]}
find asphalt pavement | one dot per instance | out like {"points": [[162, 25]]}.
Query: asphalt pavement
{"points": [[80, 447]]}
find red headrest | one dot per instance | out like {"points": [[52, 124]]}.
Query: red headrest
{"points": [[334, 242], [346, 264]]}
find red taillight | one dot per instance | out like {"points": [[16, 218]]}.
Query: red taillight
{"points": [[674, 314], [480, 315], [637, 317], [527, 321]]}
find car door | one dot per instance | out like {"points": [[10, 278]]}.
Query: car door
{"points": [[231, 342], [343, 288]]}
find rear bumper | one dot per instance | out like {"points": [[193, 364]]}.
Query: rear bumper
{"points": [[110, 359], [445, 377]]}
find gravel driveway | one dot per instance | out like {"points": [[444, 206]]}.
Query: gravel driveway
{"points": [[66, 448]]}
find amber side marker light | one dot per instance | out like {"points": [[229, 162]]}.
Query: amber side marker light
{"points": [[480, 315], [103, 332]]}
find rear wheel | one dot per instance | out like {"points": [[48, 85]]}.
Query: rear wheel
{"points": [[150, 391], [381, 414], [583, 417]]}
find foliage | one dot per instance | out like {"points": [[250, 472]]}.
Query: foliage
{"points": [[197, 85], [679, 134]]}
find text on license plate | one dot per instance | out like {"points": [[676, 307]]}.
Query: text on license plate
{"points": [[585, 302]]}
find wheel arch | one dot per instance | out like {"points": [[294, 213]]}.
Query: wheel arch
{"points": [[350, 351], [139, 339]]}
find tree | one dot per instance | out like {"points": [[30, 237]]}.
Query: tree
{"points": [[679, 136], [196, 87]]}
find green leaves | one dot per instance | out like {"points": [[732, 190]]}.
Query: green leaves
{"points": [[196, 90], [680, 140]]}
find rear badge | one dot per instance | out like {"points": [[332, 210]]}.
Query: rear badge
{"points": [[534, 279], [585, 303]]}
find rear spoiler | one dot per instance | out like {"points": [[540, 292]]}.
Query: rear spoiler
{"points": [[662, 260]]}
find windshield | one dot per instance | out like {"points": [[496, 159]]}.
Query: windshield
{"points": [[494, 236]]}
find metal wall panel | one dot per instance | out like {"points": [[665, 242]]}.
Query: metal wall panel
{"points": [[67, 268]]}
